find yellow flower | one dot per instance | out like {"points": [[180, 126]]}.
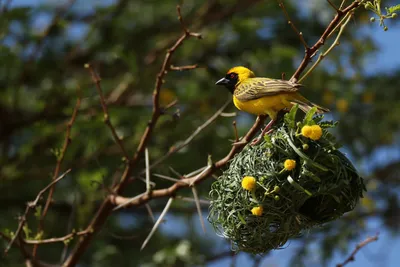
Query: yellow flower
{"points": [[166, 96], [257, 211], [342, 105], [368, 97], [306, 131], [316, 132], [249, 183], [289, 164], [328, 97]]}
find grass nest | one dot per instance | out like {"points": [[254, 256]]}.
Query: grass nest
{"points": [[295, 179]]}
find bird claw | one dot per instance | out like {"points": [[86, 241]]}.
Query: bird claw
{"points": [[258, 139], [240, 143]]}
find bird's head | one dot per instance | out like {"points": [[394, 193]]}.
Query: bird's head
{"points": [[234, 77]]}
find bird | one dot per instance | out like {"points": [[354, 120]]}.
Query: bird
{"points": [[264, 96]]}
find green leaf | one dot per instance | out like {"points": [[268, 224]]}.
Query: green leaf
{"points": [[38, 212], [328, 124], [290, 118], [309, 116], [393, 9], [27, 231]]}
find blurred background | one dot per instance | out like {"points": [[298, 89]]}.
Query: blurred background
{"points": [[44, 46]]}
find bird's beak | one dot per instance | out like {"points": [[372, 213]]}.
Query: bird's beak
{"points": [[222, 81]]}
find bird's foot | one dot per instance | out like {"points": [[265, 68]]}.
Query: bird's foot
{"points": [[240, 143], [256, 141], [266, 130], [259, 139]]}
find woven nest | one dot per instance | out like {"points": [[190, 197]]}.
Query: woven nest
{"points": [[301, 181]]}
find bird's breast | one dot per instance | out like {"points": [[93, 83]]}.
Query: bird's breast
{"points": [[261, 106]]}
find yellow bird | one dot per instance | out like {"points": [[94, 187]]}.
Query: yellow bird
{"points": [[264, 96]]}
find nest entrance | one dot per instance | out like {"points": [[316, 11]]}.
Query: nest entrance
{"points": [[320, 208]]}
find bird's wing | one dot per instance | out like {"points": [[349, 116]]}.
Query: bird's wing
{"points": [[255, 88]]}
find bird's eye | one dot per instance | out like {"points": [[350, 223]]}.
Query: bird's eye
{"points": [[232, 76]]}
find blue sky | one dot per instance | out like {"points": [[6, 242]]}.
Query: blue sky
{"points": [[382, 253]]}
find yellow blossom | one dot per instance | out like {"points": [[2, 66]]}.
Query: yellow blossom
{"points": [[166, 96], [368, 97], [249, 183], [306, 131], [257, 211], [289, 164], [328, 97], [342, 105], [316, 132]]}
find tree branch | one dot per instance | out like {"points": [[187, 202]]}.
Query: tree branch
{"points": [[194, 179], [96, 80], [290, 22], [331, 27], [175, 149], [60, 159], [56, 239], [358, 247], [29, 206], [107, 206]]}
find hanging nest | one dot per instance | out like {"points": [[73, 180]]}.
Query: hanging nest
{"points": [[296, 178]]}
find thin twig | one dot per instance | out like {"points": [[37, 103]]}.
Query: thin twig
{"points": [[187, 141], [334, 44], [170, 105], [70, 225], [358, 247], [41, 41], [156, 93], [188, 199], [195, 172], [235, 131], [228, 114], [128, 201], [146, 156], [332, 5], [185, 30], [159, 220], [56, 239], [181, 68], [60, 159], [197, 201], [176, 173], [28, 257], [116, 200], [194, 180], [148, 208], [166, 177], [342, 12], [206, 172], [29, 206], [300, 34], [96, 80], [342, 4]]}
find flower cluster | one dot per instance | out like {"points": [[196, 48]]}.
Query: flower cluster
{"points": [[249, 183], [257, 211], [289, 164], [313, 132]]}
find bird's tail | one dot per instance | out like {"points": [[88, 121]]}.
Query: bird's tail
{"points": [[305, 105]]}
